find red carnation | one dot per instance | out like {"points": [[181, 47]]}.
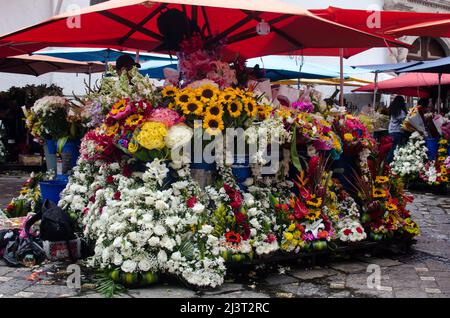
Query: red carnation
{"points": [[191, 202], [347, 232], [232, 237], [246, 235], [117, 195], [359, 230], [239, 217], [271, 238], [126, 171], [109, 179]]}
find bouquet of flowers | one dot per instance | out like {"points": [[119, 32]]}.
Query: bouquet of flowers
{"points": [[436, 172], [410, 159], [354, 134]]}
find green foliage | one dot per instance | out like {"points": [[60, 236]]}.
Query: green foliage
{"points": [[107, 286], [219, 218], [187, 249]]}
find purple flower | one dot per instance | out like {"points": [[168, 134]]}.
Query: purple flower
{"points": [[303, 107]]}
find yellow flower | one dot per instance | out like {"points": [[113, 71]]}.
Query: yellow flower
{"points": [[264, 111], [378, 193], [288, 236], [291, 227], [234, 108], [284, 112], [250, 107], [313, 215], [207, 92], [183, 97], [151, 136], [444, 178], [192, 107], [442, 150], [119, 107], [297, 234], [214, 110], [227, 95], [169, 91], [213, 124], [391, 207], [443, 141], [348, 137], [316, 202], [112, 130], [381, 179], [133, 120], [133, 146], [441, 158]]}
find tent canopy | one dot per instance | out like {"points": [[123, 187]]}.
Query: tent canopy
{"points": [[410, 84], [37, 65], [440, 28], [99, 54], [437, 66], [380, 68], [381, 21], [133, 24]]}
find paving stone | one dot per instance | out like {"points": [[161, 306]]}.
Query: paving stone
{"points": [[226, 288], [354, 267], [13, 286], [427, 278], [336, 285], [24, 294], [409, 293], [308, 274], [433, 291], [5, 279], [5, 270], [383, 262], [55, 289], [277, 279], [162, 292], [240, 294], [342, 294]]}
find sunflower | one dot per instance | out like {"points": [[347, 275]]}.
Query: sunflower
{"points": [[381, 179], [264, 111], [183, 97], [315, 202], [213, 124], [443, 141], [444, 178], [112, 130], [378, 193], [313, 215], [169, 91], [214, 110], [227, 95], [119, 107], [250, 107], [442, 150], [192, 107], [207, 92], [234, 108], [133, 120], [441, 158], [391, 207]]}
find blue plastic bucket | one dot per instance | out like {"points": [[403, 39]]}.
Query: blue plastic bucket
{"points": [[241, 170], [72, 147], [432, 145], [51, 146], [52, 189], [448, 151]]}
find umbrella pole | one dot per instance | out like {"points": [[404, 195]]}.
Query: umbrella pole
{"points": [[439, 94], [341, 64], [137, 56], [375, 90]]}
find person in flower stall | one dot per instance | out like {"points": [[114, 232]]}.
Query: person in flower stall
{"points": [[397, 114], [125, 63], [426, 113]]}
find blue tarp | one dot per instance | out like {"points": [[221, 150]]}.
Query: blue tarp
{"points": [[100, 55], [380, 68], [440, 66]]}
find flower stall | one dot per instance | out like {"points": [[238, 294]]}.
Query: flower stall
{"points": [[302, 180]]}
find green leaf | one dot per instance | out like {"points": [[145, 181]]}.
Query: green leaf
{"points": [[61, 143], [294, 153]]}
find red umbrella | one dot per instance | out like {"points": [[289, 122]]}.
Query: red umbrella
{"points": [[39, 64], [380, 21], [439, 28], [134, 24], [410, 84], [11, 49]]}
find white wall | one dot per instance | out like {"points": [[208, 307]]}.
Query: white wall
{"points": [[17, 14]]}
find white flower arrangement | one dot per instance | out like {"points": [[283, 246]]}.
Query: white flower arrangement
{"points": [[410, 159]]}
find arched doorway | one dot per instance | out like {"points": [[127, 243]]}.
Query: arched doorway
{"points": [[425, 49]]}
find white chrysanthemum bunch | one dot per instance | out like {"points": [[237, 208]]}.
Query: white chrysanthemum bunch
{"points": [[410, 159]]}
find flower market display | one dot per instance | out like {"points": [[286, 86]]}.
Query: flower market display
{"points": [[137, 198]]}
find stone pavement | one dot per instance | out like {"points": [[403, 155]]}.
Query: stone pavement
{"points": [[424, 273]]}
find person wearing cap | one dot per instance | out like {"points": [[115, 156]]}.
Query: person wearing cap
{"points": [[125, 63]]}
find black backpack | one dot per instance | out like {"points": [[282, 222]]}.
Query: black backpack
{"points": [[56, 224]]}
